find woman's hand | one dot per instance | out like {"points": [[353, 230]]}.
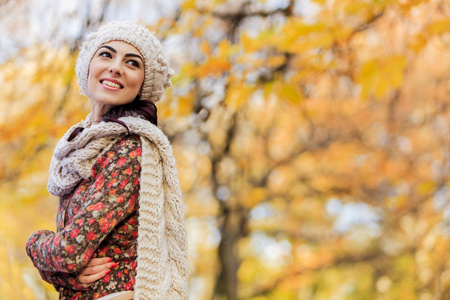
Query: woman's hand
{"points": [[95, 269]]}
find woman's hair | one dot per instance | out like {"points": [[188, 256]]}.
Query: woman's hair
{"points": [[144, 108]]}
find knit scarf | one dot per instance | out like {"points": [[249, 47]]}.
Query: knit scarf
{"points": [[162, 259]]}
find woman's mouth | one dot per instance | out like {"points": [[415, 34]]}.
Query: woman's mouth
{"points": [[111, 84]]}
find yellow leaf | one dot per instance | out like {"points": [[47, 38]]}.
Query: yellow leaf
{"points": [[275, 61], [248, 270], [380, 88], [354, 8], [290, 93], [198, 31], [268, 88], [213, 66], [394, 69], [418, 42], [378, 76], [439, 27], [205, 47], [223, 48], [187, 71], [265, 39], [295, 28], [248, 43], [188, 4], [238, 95], [185, 104], [219, 63], [255, 197], [367, 77], [298, 37], [426, 187]]}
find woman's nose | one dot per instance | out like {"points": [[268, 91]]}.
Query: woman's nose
{"points": [[115, 70]]}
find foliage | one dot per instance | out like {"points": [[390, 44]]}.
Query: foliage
{"points": [[312, 141]]}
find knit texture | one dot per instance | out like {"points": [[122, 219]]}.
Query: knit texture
{"points": [[157, 72], [162, 268]]}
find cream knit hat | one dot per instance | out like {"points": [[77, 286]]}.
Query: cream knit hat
{"points": [[157, 71]]}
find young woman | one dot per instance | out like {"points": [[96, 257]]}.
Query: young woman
{"points": [[120, 221]]}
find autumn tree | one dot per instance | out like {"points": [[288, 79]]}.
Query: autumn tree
{"points": [[327, 172]]}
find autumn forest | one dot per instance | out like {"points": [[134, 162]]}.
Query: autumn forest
{"points": [[312, 140]]}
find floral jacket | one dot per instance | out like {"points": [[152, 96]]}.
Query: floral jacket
{"points": [[99, 217]]}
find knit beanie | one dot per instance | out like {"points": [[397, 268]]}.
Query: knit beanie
{"points": [[157, 71]]}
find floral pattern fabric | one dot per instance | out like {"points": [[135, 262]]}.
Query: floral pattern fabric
{"points": [[99, 217]]}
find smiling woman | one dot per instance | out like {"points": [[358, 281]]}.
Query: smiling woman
{"points": [[120, 221], [115, 77]]}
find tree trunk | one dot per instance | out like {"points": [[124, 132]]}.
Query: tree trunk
{"points": [[232, 229]]}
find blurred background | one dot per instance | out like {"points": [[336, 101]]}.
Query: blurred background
{"points": [[311, 136]]}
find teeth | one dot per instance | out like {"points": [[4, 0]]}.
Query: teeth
{"points": [[110, 83]]}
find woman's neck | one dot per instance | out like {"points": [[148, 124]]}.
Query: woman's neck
{"points": [[97, 111]]}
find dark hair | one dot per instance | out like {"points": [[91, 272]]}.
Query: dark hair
{"points": [[145, 108]]}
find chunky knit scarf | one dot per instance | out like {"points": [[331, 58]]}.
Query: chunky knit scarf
{"points": [[162, 260]]}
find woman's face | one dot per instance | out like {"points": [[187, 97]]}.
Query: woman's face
{"points": [[116, 74]]}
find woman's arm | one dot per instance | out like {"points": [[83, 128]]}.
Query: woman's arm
{"points": [[110, 199], [95, 269]]}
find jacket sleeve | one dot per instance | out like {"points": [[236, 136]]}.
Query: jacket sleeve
{"points": [[59, 279], [110, 198]]}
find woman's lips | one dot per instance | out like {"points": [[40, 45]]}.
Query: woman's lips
{"points": [[111, 83]]}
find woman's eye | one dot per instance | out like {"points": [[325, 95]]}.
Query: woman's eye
{"points": [[133, 63], [105, 54]]}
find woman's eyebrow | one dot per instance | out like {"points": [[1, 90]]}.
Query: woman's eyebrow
{"points": [[134, 55], [126, 55], [108, 47]]}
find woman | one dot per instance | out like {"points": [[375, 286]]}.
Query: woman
{"points": [[120, 221]]}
